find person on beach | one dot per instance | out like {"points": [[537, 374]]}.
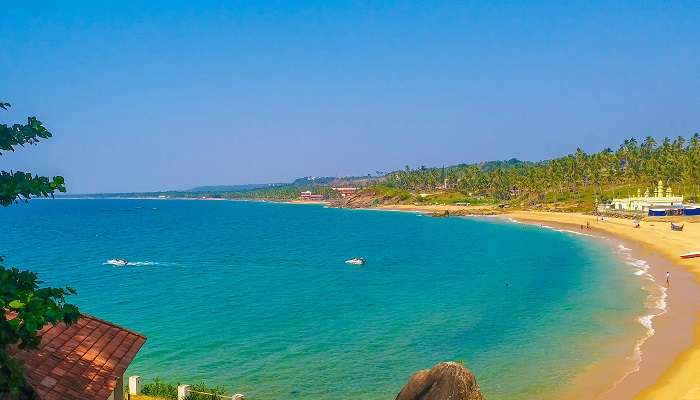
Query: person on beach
{"points": [[588, 225], [668, 278]]}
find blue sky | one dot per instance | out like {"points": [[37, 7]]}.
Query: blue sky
{"points": [[170, 95]]}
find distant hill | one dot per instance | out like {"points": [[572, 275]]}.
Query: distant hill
{"points": [[234, 188], [313, 180], [307, 181], [489, 166]]}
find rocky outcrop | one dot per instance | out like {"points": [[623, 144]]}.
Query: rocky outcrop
{"points": [[365, 199], [445, 381]]}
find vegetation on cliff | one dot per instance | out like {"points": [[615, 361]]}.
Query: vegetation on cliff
{"points": [[577, 179]]}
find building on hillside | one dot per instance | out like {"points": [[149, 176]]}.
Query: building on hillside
{"points": [[642, 203], [86, 360], [346, 191], [307, 195]]}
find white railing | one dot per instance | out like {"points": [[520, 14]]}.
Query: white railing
{"points": [[182, 390], [185, 390]]}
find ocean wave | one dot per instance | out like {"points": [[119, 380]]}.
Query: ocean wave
{"points": [[566, 231], [641, 266], [659, 301], [656, 300], [574, 232], [646, 321]]}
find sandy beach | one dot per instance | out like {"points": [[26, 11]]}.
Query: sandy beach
{"points": [[669, 358]]}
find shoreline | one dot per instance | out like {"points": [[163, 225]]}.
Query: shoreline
{"points": [[624, 360], [665, 368], [670, 351], [668, 320]]}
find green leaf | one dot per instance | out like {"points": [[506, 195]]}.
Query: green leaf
{"points": [[30, 325], [16, 304]]}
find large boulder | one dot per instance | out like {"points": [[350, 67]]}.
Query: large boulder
{"points": [[445, 381]]}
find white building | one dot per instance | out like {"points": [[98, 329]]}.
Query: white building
{"points": [[642, 203]]}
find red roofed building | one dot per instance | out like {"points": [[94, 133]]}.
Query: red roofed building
{"points": [[86, 360], [307, 195], [345, 191]]}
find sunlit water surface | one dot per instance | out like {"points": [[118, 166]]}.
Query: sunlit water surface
{"points": [[257, 297]]}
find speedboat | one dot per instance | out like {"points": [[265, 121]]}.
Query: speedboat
{"points": [[118, 262], [692, 254], [356, 261]]}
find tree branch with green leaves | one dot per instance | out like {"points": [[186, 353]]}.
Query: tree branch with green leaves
{"points": [[26, 306], [21, 186]]}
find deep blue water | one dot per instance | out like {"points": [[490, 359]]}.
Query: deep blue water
{"points": [[256, 296]]}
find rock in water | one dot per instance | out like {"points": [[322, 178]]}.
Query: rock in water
{"points": [[445, 381]]}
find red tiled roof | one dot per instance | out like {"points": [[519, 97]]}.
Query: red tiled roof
{"points": [[81, 361]]}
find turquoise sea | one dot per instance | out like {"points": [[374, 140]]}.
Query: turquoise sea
{"points": [[256, 296]]}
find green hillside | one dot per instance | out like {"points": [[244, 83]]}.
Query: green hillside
{"points": [[574, 181]]}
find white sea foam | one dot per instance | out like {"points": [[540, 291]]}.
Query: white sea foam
{"points": [[640, 266], [646, 322], [566, 231], [655, 302], [574, 232], [131, 263]]}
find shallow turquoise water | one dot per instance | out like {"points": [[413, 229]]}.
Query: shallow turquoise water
{"points": [[256, 297]]}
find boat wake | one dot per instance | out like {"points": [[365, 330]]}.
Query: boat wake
{"points": [[124, 263]]}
